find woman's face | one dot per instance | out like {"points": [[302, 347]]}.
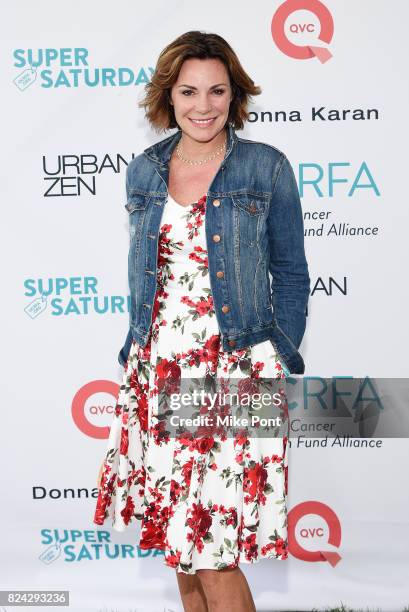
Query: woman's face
{"points": [[202, 92]]}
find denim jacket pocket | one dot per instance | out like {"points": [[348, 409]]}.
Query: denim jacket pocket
{"points": [[137, 201], [248, 211]]}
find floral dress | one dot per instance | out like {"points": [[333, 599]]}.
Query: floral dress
{"points": [[208, 502]]}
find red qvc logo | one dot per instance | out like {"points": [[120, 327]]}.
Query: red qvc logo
{"points": [[307, 537], [92, 401], [298, 24]]}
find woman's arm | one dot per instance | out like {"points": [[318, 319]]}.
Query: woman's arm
{"points": [[288, 265]]}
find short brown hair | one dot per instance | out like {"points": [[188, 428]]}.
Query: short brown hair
{"points": [[201, 45]]}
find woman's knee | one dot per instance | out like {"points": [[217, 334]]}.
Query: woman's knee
{"points": [[187, 580], [211, 577]]}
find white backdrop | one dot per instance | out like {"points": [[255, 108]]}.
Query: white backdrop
{"points": [[65, 146]]}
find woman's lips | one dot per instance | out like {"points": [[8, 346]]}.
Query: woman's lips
{"points": [[203, 123]]}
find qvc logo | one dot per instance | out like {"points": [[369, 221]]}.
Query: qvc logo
{"points": [[312, 526], [92, 401], [298, 25]]}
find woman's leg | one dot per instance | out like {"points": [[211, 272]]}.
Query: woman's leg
{"points": [[226, 590], [191, 592]]}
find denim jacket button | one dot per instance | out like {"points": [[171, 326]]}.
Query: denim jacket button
{"points": [[232, 343], [225, 308], [216, 202], [220, 274], [216, 238]]}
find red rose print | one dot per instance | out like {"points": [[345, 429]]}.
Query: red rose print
{"points": [[152, 536], [203, 497], [124, 441], [203, 445], [128, 511]]}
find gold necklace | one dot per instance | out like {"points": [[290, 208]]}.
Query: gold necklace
{"points": [[194, 162]]}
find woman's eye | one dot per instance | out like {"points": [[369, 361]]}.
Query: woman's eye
{"points": [[218, 91]]}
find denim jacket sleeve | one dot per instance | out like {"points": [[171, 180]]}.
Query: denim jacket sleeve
{"points": [[127, 183], [288, 265], [124, 352]]}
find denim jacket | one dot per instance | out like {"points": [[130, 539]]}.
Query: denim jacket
{"points": [[253, 228]]}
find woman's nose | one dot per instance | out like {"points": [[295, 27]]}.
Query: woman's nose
{"points": [[203, 105]]}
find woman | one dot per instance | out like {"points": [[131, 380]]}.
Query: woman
{"points": [[214, 214]]}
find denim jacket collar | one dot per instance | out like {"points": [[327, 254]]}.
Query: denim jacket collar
{"points": [[161, 152]]}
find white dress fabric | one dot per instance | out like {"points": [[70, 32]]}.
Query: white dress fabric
{"points": [[210, 502]]}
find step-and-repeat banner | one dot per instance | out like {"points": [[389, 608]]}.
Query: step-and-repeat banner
{"points": [[334, 99]]}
